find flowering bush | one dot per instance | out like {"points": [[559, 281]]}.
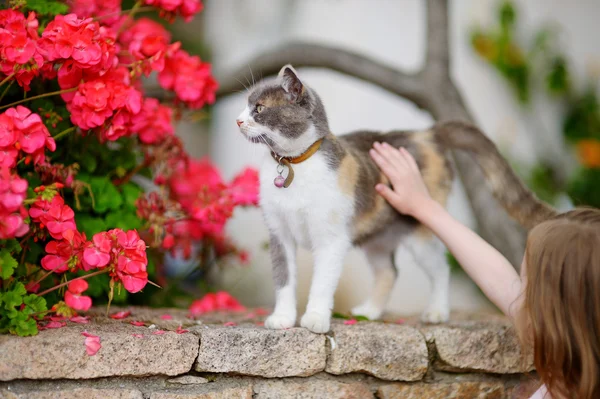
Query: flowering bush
{"points": [[76, 131]]}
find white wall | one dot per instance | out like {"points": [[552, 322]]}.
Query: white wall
{"points": [[391, 31]]}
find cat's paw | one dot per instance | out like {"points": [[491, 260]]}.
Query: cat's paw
{"points": [[280, 321], [368, 310], [316, 322], [435, 315]]}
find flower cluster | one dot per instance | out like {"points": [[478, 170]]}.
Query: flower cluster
{"points": [[22, 131], [170, 8], [13, 191], [74, 209], [19, 53]]}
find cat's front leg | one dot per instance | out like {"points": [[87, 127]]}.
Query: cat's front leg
{"points": [[329, 261], [283, 258]]}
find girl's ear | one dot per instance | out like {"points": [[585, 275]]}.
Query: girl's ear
{"points": [[291, 83]]}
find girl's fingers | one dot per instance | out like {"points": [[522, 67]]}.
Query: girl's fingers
{"points": [[383, 163], [388, 194], [409, 159], [394, 155]]}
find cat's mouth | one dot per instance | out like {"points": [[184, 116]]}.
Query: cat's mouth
{"points": [[260, 139]]}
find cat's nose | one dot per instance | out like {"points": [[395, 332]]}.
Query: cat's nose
{"points": [[239, 122]]}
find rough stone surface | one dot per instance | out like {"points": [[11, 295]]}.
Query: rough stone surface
{"points": [[489, 347], [311, 389], [387, 351], [224, 393], [252, 350], [458, 390], [188, 380], [76, 393], [61, 353]]}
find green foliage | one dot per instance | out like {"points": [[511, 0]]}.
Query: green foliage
{"points": [[8, 264], [581, 119], [47, 7], [18, 310]]}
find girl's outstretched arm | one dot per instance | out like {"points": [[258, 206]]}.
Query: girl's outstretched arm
{"points": [[484, 264]]}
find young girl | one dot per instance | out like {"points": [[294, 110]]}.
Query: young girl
{"points": [[554, 303]]}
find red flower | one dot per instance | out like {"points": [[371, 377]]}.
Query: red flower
{"points": [[153, 123], [65, 254], [189, 78], [91, 46], [97, 100], [186, 8], [73, 297]]}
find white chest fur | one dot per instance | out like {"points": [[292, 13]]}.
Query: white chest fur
{"points": [[312, 208]]}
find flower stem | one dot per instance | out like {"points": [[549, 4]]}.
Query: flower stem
{"points": [[114, 14], [64, 133], [136, 7], [53, 93], [77, 278], [6, 79], [6, 90]]}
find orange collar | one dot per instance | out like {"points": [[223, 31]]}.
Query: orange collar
{"points": [[302, 157]]}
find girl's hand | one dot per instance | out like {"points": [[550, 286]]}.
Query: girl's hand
{"points": [[409, 191]]}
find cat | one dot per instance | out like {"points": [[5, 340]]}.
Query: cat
{"points": [[317, 191]]}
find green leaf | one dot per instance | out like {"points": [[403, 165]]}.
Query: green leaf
{"points": [[14, 297], [106, 195], [47, 7], [90, 225], [7, 264], [125, 220], [337, 315], [131, 192], [11, 245], [89, 163], [34, 304], [23, 325]]}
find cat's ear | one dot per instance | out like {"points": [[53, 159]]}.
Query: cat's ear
{"points": [[291, 83]]}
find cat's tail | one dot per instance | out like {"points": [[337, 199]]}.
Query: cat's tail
{"points": [[509, 190]]}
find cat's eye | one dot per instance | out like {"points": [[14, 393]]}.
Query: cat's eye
{"points": [[260, 108]]}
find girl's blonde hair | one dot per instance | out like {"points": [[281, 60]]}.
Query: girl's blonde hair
{"points": [[561, 308]]}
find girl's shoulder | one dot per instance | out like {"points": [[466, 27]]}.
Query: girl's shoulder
{"points": [[541, 393]]}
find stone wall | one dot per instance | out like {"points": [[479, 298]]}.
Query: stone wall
{"points": [[473, 356]]}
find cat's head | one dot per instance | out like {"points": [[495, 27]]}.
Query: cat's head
{"points": [[285, 115]]}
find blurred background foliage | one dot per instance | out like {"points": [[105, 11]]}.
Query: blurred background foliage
{"points": [[538, 67]]}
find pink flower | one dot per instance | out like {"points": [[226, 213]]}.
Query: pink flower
{"points": [[19, 53], [108, 10], [243, 190], [92, 343], [189, 78], [98, 253], [229, 324], [13, 191], [153, 123], [138, 323], [73, 297], [59, 219], [120, 315], [166, 317], [158, 332], [350, 322], [22, 130], [138, 335], [186, 8]]}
